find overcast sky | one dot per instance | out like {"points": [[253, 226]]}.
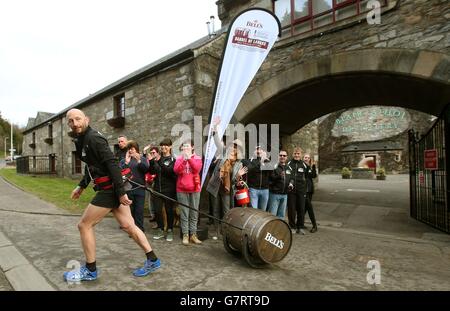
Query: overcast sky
{"points": [[54, 53]]}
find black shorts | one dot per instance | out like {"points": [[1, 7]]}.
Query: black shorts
{"points": [[106, 198]]}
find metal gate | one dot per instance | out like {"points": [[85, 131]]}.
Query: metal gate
{"points": [[429, 182], [36, 165]]}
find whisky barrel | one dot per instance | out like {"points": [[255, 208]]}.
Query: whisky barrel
{"points": [[262, 239]]}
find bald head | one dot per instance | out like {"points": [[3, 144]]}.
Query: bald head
{"points": [[77, 121], [75, 111]]}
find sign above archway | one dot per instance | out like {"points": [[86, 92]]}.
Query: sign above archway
{"points": [[371, 123]]}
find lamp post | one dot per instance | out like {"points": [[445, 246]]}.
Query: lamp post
{"points": [[12, 146]]}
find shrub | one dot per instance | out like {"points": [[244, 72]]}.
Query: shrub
{"points": [[381, 172], [345, 172]]}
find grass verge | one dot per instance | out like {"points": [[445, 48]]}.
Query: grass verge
{"points": [[55, 190]]}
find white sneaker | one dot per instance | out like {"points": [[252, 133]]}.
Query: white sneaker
{"points": [[300, 231], [169, 237]]}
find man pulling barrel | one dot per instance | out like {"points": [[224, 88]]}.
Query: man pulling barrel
{"points": [[93, 149]]}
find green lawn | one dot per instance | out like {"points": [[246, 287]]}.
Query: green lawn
{"points": [[51, 189]]}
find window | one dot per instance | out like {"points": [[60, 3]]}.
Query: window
{"points": [[283, 12], [49, 138], [33, 141], [300, 16], [76, 164], [119, 105], [301, 9], [322, 6], [50, 130], [117, 118]]}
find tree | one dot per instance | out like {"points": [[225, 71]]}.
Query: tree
{"points": [[5, 131]]}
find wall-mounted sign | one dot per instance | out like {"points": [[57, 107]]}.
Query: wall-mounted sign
{"points": [[430, 158], [371, 123]]}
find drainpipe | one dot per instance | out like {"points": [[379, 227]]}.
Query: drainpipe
{"points": [[62, 150]]}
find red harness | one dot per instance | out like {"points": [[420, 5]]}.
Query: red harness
{"points": [[105, 182]]}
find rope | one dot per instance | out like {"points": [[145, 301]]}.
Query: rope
{"points": [[153, 192]]}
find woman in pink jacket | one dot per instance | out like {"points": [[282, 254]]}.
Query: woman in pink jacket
{"points": [[187, 167]]}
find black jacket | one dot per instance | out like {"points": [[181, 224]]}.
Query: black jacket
{"points": [[257, 178], [166, 179], [297, 172], [138, 171], [310, 174], [93, 149], [279, 182], [121, 154]]}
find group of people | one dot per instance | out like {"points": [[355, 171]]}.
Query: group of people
{"points": [[287, 185], [173, 179], [120, 181]]}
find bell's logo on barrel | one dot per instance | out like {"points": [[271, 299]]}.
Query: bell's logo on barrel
{"points": [[274, 241]]}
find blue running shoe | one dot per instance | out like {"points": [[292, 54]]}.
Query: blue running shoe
{"points": [[149, 266], [83, 274]]}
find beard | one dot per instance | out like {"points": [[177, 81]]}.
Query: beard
{"points": [[78, 131]]}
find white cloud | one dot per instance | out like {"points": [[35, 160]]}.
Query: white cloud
{"points": [[54, 53]]}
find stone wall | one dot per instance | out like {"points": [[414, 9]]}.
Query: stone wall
{"points": [[306, 138], [206, 66], [228, 9], [412, 24]]}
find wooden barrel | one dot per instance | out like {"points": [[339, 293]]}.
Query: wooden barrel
{"points": [[263, 238]]}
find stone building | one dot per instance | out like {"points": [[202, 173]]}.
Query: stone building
{"points": [[369, 137], [332, 55], [144, 105]]}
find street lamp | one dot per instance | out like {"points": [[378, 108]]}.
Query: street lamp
{"points": [[11, 141]]}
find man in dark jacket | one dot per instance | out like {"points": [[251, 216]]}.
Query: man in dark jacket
{"points": [[166, 183], [93, 149], [258, 179], [122, 142], [279, 185], [297, 191], [311, 173]]}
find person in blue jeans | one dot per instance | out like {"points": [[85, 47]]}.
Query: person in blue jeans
{"points": [[278, 187], [258, 179], [139, 166]]}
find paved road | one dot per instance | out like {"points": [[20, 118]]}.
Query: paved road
{"points": [[368, 205], [334, 258], [4, 284]]}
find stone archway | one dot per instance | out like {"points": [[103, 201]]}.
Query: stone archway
{"points": [[412, 79]]}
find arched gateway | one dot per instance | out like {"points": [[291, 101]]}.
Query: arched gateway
{"points": [[411, 79]]}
